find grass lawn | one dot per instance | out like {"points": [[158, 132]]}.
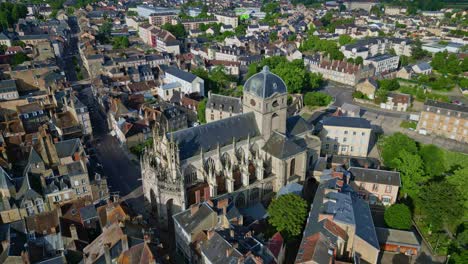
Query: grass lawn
{"points": [[408, 124]]}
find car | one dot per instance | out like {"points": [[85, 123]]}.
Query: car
{"points": [[456, 102]]}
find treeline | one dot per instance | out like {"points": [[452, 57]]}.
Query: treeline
{"points": [[10, 14]]}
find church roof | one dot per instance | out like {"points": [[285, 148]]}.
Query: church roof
{"points": [[296, 125], [265, 84], [207, 137], [282, 147]]}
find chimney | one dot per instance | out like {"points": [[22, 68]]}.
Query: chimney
{"points": [[107, 254], [124, 242], [73, 232], [209, 234], [193, 209], [231, 233]]}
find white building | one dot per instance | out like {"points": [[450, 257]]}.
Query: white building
{"points": [[189, 82], [383, 63]]}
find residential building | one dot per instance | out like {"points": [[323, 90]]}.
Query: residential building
{"points": [[346, 136], [220, 106], [8, 90], [383, 63], [227, 19], [444, 119], [368, 87], [32, 116], [159, 19], [375, 186], [339, 228], [195, 23], [338, 71], [147, 10], [189, 82], [398, 241], [422, 68], [397, 102], [374, 46]]}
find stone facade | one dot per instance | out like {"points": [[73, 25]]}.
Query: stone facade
{"points": [[246, 157]]}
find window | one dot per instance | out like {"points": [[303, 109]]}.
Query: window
{"points": [[346, 132], [77, 183], [345, 139], [327, 146], [386, 200], [372, 199], [29, 208], [66, 196], [335, 147], [363, 133], [354, 133], [351, 149], [212, 116], [344, 148], [57, 198], [40, 205], [388, 189], [375, 187], [85, 190], [78, 191], [83, 181], [292, 167]]}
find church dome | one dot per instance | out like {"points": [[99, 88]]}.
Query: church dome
{"points": [[265, 84]]}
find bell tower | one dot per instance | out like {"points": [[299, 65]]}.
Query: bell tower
{"points": [[266, 95]]}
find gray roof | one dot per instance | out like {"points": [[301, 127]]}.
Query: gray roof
{"points": [[265, 84], [191, 222], [423, 66], [67, 148], [345, 121], [207, 137], [225, 103], [296, 125], [376, 176], [445, 107], [282, 147], [215, 250], [186, 76], [364, 224], [7, 86], [398, 237], [88, 212]]}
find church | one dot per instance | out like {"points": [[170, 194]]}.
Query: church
{"points": [[246, 157]]}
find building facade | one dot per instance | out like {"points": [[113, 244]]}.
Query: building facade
{"points": [[444, 119], [246, 157]]}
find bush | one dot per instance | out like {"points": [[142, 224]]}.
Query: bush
{"points": [[317, 99], [360, 95], [398, 216]]}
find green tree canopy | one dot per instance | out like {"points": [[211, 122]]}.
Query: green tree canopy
{"points": [[201, 111], [442, 204], [345, 39], [287, 214], [411, 171], [121, 42], [317, 99], [392, 145], [177, 30], [389, 84], [398, 216], [434, 160]]}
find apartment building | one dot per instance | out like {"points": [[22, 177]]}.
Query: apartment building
{"points": [[383, 63], [190, 24], [444, 119], [348, 136], [159, 19], [227, 19], [367, 48], [160, 39], [338, 71]]}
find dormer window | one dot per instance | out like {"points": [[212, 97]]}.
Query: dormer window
{"points": [[275, 104]]}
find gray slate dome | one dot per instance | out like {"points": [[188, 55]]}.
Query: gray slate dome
{"points": [[264, 84]]}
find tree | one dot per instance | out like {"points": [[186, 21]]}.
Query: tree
{"points": [[287, 214], [417, 51], [18, 58], [434, 160], [317, 99], [177, 30], [381, 96], [398, 216], [345, 39], [411, 171], [3, 48], [392, 145], [315, 80], [120, 42], [441, 204], [389, 84], [201, 111], [359, 60]]}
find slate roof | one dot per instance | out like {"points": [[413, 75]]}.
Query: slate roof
{"points": [[345, 121], [265, 84], [207, 137], [67, 148], [376, 176], [423, 66], [433, 106], [296, 125], [398, 237], [364, 224], [282, 147], [7, 86], [190, 222], [225, 103], [186, 76]]}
